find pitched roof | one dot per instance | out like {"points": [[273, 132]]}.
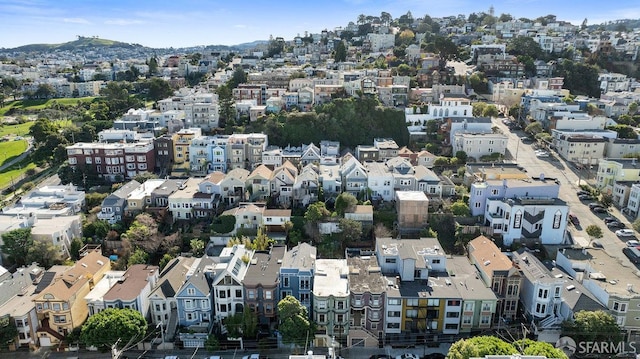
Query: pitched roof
{"points": [[302, 256], [132, 283], [488, 256], [264, 268], [197, 274], [172, 277]]}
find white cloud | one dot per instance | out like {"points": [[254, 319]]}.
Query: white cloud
{"points": [[123, 22], [240, 26], [76, 20]]}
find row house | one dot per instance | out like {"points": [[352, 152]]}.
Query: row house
{"points": [[60, 306], [584, 147], [367, 288], [163, 147], [480, 145], [94, 299], [202, 115], [230, 272], [233, 186], [282, 182], [423, 300], [181, 144], [162, 299], [112, 161], [140, 198], [508, 187], [114, 205], [305, 186], [331, 302], [296, 274], [132, 290], [261, 284], [257, 92], [194, 298], [550, 297], [498, 273], [18, 292], [622, 147], [614, 170], [195, 198], [528, 219]]}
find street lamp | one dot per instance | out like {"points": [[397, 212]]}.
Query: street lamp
{"points": [[161, 335]]}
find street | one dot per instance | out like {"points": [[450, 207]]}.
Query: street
{"points": [[556, 167]]}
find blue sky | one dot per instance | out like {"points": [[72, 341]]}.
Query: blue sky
{"points": [[163, 23]]}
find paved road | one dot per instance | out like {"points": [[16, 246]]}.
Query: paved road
{"points": [[568, 175]]}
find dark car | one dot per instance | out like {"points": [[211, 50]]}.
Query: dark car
{"points": [[594, 204], [599, 210], [610, 219], [435, 356], [585, 197], [632, 253], [381, 356], [581, 192], [615, 225], [573, 219]]}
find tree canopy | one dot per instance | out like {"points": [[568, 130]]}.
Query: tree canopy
{"points": [[16, 244], [593, 326], [113, 325], [295, 326], [479, 347]]}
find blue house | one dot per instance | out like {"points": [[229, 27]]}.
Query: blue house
{"points": [[296, 274], [194, 298]]}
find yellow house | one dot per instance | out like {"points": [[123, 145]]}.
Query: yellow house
{"points": [[61, 306], [181, 142]]}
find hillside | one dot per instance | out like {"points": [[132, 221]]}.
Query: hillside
{"points": [[81, 43]]}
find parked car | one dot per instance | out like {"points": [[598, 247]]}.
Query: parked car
{"points": [[435, 356], [596, 244], [252, 356], [632, 253], [633, 243], [625, 233], [615, 225], [599, 210], [542, 154], [610, 219], [585, 197], [581, 192], [594, 204], [573, 219], [381, 356], [407, 356]]}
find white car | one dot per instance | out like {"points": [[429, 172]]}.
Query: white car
{"points": [[633, 243], [252, 356], [542, 153], [625, 233]]}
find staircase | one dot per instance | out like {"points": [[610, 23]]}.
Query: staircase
{"points": [[551, 322]]}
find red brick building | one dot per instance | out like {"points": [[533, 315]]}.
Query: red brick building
{"points": [[113, 161]]}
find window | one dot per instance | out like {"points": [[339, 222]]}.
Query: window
{"points": [[238, 293], [411, 313], [485, 320], [394, 301], [433, 302], [304, 297], [451, 326], [620, 307], [453, 315], [59, 318], [188, 304], [393, 325], [56, 306], [453, 303], [322, 318], [557, 293], [468, 307], [340, 305], [466, 320], [268, 294], [486, 306], [412, 302], [251, 294], [285, 282], [393, 314], [322, 304], [390, 260], [191, 291]]}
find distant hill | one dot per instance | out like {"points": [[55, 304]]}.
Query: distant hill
{"points": [[82, 43], [617, 25]]}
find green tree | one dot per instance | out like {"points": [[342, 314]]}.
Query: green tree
{"points": [[593, 326], [74, 248], [316, 212], [525, 46], [16, 244], [534, 348], [295, 326], [44, 252], [624, 131], [345, 202], [350, 230], [340, 54], [226, 102], [238, 77], [113, 327], [8, 334], [157, 89], [197, 247], [594, 231], [249, 322], [139, 256], [166, 258], [534, 128], [479, 82], [143, 233], [480, 346], [462, 157], [459, 208], [490, 111], [212, 343]]}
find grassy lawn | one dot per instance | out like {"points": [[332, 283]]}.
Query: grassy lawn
{"points": [[41, 104], [18, 130], [11, 149], [14, 174]]}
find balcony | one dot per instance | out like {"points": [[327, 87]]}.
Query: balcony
{"points": [[106, 215]]}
